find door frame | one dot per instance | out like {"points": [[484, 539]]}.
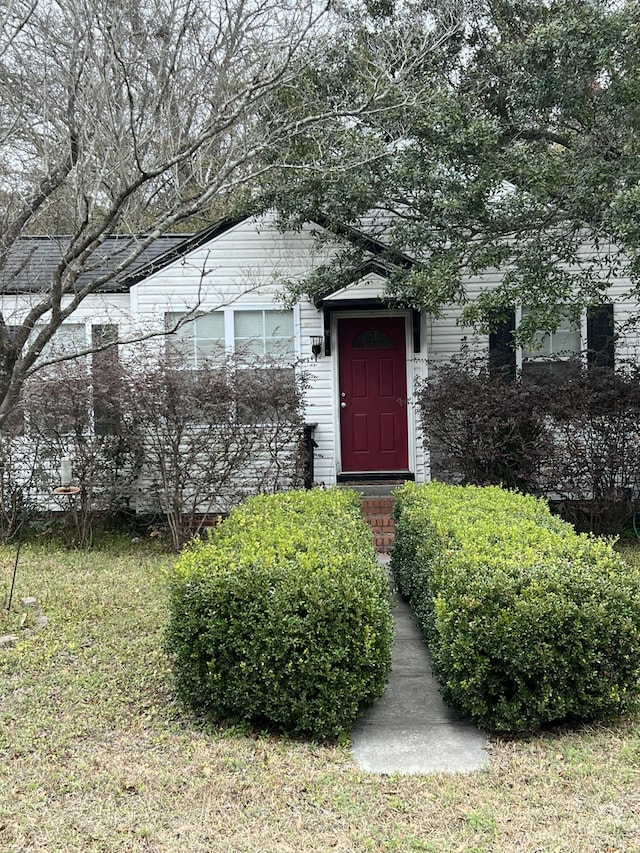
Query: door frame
{"points": [[410, 377]]}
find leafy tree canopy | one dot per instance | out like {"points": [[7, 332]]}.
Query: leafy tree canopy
{"points": [[520, 148]]}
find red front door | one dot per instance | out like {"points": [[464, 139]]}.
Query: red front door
{"points": [[373, 394]]}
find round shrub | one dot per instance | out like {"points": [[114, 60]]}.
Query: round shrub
{"points": [[282, 616], [527, 622]]}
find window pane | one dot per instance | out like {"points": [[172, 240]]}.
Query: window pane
{"points": [[372, 339], [253, 346], [209, 331], [196, 340], [179, 345], [278, 324], [70, 338], [181, 352], [185, 332], [249, 324], [279, 347], [540, 347], [264, 333], [210, 326], [566, 342], [170, 320], [212, 350], [181, 335]]}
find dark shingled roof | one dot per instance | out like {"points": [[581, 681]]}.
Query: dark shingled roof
{"points": [[32, 260]]}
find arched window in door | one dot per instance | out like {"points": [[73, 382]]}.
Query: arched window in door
{"points": [[372, 339]]}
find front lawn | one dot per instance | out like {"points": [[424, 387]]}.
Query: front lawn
{"points": [[96, 755]]}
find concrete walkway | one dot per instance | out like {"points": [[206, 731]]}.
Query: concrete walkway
{"points": [[410, 730]]}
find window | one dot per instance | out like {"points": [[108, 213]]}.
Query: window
{"points": [[77, 395], [69, 339], [58, 395], [372, 339], [196, 341], [264, 333], [554, 354], [259, 333]]}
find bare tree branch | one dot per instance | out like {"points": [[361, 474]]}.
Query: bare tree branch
{"points": [[129, 116]]}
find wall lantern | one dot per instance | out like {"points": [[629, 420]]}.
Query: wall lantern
{"points": [[316, 345]]}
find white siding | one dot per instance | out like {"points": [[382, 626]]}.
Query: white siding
{"points": [[95, 309], [321, 396], [369, 286], [247, 266]]}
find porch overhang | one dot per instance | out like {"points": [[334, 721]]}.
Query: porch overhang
{"points": [[375, 304]]}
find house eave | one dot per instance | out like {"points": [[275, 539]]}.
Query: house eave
{"points": [[376, 248], [373, 266]]}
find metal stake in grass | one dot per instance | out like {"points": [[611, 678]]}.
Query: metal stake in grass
{"points": [[65, 488]]}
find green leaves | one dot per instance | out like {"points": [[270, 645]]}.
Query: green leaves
{"points": [[515, 148], [527, 622], [283, 615]]}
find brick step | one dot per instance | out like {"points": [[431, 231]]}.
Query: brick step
{"points": [[381, 523], [378, 513]]}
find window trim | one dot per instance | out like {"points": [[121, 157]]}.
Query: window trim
{"points": [[598, 348], [229, 328]]}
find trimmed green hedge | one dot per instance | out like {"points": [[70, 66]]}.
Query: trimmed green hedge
{"points": [[527, 622], [282, 617]]}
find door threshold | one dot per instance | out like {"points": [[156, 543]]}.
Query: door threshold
{"points": [[396, 477]]}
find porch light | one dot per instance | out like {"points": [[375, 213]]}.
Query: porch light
{"points": [[316, 345]]}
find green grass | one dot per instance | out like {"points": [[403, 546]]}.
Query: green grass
{"points": [[96, 755]]}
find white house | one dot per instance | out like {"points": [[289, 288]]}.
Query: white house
{"points": [[363, 357]]}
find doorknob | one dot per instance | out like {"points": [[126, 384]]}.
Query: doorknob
{"points": [[343, 405]]}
